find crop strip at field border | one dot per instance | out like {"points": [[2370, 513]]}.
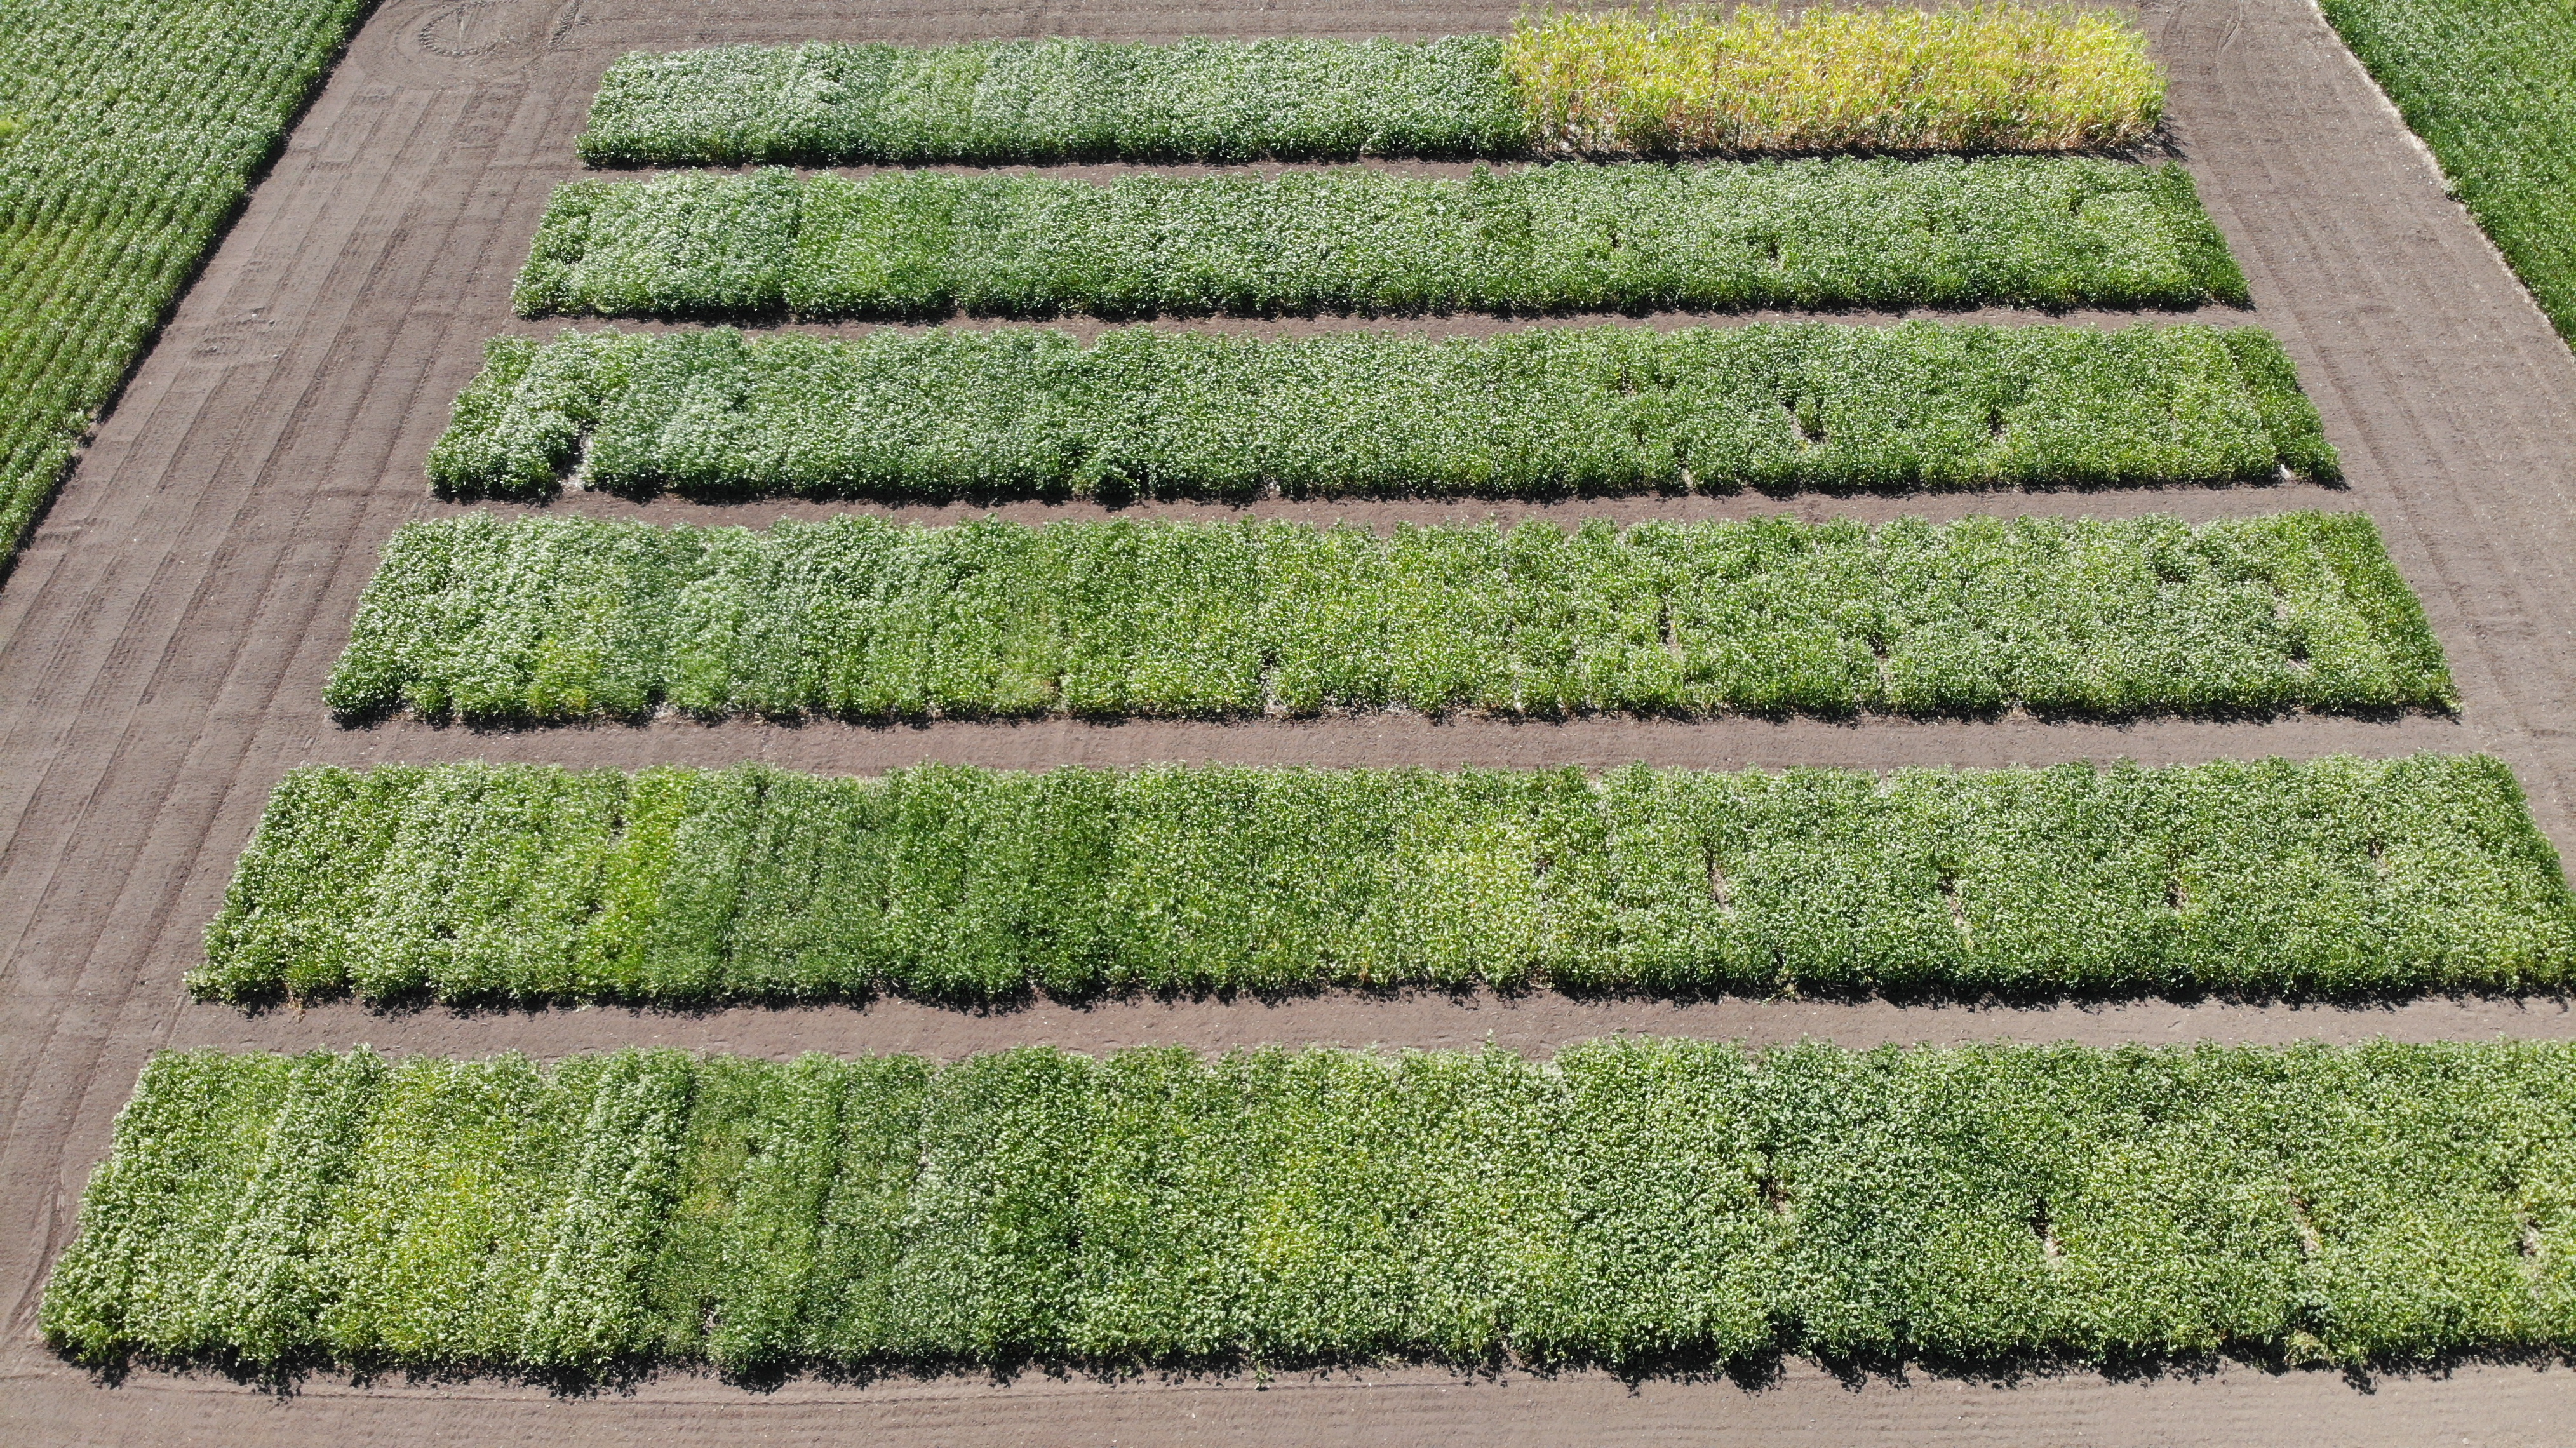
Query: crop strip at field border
{"points": [[1641, 1204]]}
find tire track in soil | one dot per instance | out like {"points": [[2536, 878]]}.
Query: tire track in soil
{"points": [[164, 638], [1805, 1409]]}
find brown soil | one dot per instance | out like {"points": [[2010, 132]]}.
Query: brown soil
{"points": [[164, 639], [2492, 1407]]}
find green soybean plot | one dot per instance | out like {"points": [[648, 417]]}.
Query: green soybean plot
{"points": [[1991, 78], [474, 883], [560, 618], [1643, 1204], [1056, 100], [1840, 232], [1549, 412]]}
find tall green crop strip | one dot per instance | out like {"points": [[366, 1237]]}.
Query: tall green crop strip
{"points": [[2491, 86], [129, 131], [1014, 413], [1839, 232], [1637, 1203], [681, 887], [548, 618]]}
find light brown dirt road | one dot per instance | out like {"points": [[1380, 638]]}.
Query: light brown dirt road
{"points": [[164, 639]]}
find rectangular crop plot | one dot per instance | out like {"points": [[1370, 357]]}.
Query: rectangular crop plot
{"points": [[1550, 412], [1056, 100], [556, 618], [1842, 232], [1645, 1204], [482, 883], [1992, 78]]}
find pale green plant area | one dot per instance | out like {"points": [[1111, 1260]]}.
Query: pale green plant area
{"points": [[2039, 231], [1987, 77], [560, 618], [1550, 412], [1641, 1204]]}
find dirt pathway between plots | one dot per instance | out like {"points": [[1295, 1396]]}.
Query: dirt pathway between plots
{"points": [[164, 639]]}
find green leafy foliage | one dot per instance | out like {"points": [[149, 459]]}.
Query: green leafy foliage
{"points": [[1549, 412], [529, 883], [1839, 232], [1055, 100], [554, 618], [1642, 1204], [1992, 77], [2491, 86], [129, 131]]}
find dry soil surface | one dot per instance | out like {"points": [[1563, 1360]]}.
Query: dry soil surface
{"points": [[164, 639]]}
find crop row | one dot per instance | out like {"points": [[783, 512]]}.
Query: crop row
{"points": [[1992, 77], [129, 130], [1647, 1204], [1844, 232], [546, 618], [480, 883], [2491, 86], [950, 412], [1984, 77]]}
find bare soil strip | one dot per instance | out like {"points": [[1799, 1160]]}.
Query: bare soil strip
{"points": [[164, 639], [1460, 325], [1384, 740], [2495, 1407], [1536, 1024], [2191, 504]]}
